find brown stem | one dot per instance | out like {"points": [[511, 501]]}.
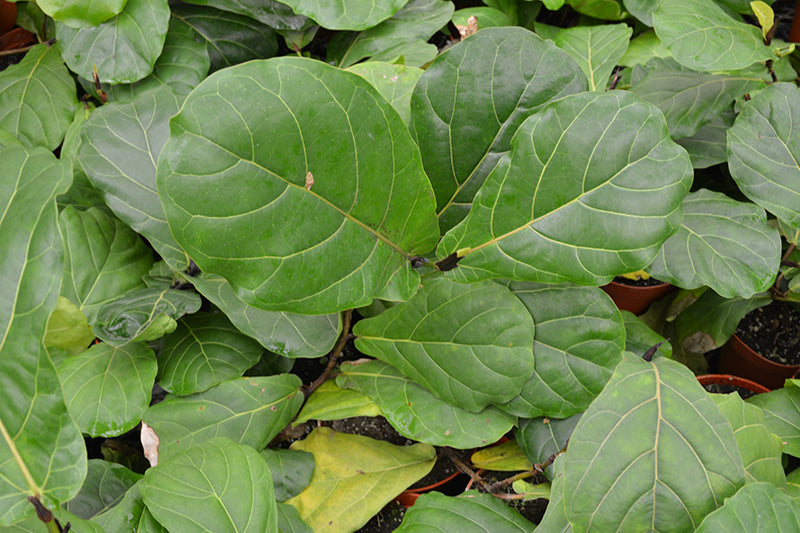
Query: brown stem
{"points": [[465, 469], [537, 469], [335, 353], [775, 290]]}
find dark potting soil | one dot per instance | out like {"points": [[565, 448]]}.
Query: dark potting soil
{"points": [[649, 282], [717, 388], [773, 331], [386, 520], [532, 510]]}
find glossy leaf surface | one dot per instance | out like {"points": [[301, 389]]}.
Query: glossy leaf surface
{"points": [[540, 438], [394, 82], [229, 484], [248, 410], [270, 12], [291, 471], [355, 477], [67, 328], [470, 102], [346, 14], [596, 49], [121, 144], [107, 389], [709, 146], [104, 258], [372, 209], [672, 475], [763, 151], [782, 415], [105, 486], [469, 345], [417, 414], [757, 507], [204, 350], [578, 342], [467, 513], [627, 187], [123, 48], [724, 244], [287, 334], [37, 98], [49, 444], [79, 14]]}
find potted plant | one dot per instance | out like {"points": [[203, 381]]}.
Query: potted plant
{"points": [[636, 291]]}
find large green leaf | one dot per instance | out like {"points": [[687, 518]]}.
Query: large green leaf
{"points": [[123, 49], [652, 452], [228, 484], [270, 12], [596, 49], [68, 329], [394, 82], [144, 315], [107, 389], [641, 9], [78, 13], [363, 200], [291, 471], [591, 188], [782, 415], [702, 36], [104, 259], [555, 518], [355, 477], [763, 151], [81, 193], [38, 434], [104, 487], [121, 144], [469, 345], [289, 520], [37, 98], [396, 37], [34, 525], [540, 438], [710, 321], [287, 334], [470, 102], [230, 38], [417, 414], [249, 410], [689, 100], [346, 14], [601, 9], [758, 507], [724, 244], [129, 515], [639, 337], [578, 342], [471, 512], [204, 350], [709, 146]]}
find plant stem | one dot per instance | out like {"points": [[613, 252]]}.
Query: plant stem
{"points": [[775, 290], [337, 351], [465, 469], [35, 489]]}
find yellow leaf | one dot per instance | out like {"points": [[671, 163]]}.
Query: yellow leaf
{"points": [[765, 16], [505, 457]]}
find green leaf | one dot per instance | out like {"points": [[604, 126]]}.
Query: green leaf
{"points": [[143, 315], [104, 259], [710, 321], [123, 49], [250, 411], [540, 438], [469, 345], [329, 402], [760, 449], [505, 457], [709, 146], [415, 23], [204, 350], [763, 151], [34, 525], [690, 100], [287, 334], [555, 518], [793, 479], [487, 17], [229, 487], [394, 82], [229, 38], [355, 477], [130, 515], [639, 337], [782, 415], [724, 244], [107, 389], [596, 49], [756, 507], [599, 9], [81, 193], [471, 512], [270, 12], [67, 328], [643, 48], [291, 471], [182, 65], [622, 176], [641, 9], [370, 198], [472, 99], [417, 414], [289, 520], [346, 14], [682, 463], [104, 487], [41, 450], [121, 143], [765, 16], [79, 14], [37, 98], [578, 342], [702, 36]]}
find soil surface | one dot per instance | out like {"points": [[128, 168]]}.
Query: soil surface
{"points": [[773, 331], [716, 388]]}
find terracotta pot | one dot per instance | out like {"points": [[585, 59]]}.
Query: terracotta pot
{"points": [[736, 381], [739, 359], [636, 299], [8, 16], [409, 496], [794, 32], [16, 38]]}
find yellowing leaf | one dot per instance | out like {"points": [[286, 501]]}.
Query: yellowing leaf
{"points": [[765, 16], [505, 457], [68, 328]]}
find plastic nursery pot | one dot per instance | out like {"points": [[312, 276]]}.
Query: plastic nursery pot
{"points": [[634, 298], [8, 16], [14, 39], [739, 359], [409, 496], [735, 381]]}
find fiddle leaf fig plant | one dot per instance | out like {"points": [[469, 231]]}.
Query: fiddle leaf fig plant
{"points": [[234, 232]]}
